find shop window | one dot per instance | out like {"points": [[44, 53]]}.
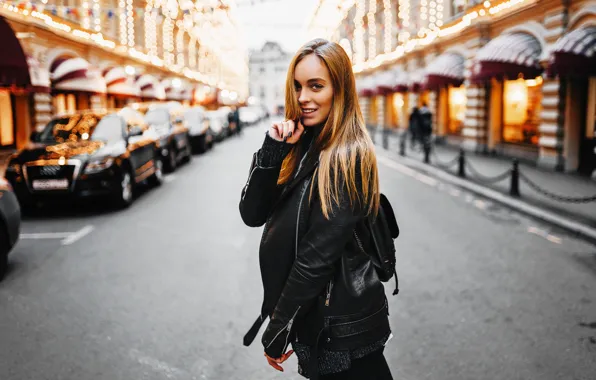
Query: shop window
{"points": [[59, 102], [521, 110], [6, 120], [398, 109], [372, 113], [591, 119], [456, 109], [71, 103]]}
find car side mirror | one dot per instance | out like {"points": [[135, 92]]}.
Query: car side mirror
{"points": [[135, 131]]}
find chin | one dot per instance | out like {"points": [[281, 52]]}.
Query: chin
{"points": [[311, 122]]}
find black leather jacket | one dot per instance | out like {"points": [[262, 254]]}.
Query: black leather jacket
{"points": [[329, 290]]}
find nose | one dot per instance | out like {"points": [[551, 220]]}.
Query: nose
{"points": [[303, 97]]}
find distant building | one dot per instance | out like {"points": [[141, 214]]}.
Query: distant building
{"points": [[268, 68]]}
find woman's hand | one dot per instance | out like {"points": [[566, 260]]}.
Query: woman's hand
{"points": [[275, 363], [286, 131]]}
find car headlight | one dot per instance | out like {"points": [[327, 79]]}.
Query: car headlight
{"points": [[99, 165]]}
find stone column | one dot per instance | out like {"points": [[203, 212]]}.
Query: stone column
{"points": [[552, 124], [474, 130], [42, 110]]}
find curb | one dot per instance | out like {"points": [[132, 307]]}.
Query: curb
{"points": [[523, 207]]}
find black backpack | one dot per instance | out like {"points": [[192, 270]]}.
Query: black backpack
{"points": [[382, 229]]}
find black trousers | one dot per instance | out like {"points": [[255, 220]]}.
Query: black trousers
{"points": [[371, 367]]}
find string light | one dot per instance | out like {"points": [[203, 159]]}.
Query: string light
{"points": [[85, 19], [192, 53], [122, 15], [131, 24], [404, 16], [168, 41], [388, 26], [96, 12], [372, 28], [359, 47], [440, 13], [432, 20], [180, 46]]}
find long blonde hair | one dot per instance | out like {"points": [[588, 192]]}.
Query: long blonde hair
{"points": [[343, 142]]}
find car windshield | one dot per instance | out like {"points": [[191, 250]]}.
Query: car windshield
{"points": [[157, 117], [108, 129], [69, 128]]}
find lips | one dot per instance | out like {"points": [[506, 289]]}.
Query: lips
{"points": [[308, 111]]}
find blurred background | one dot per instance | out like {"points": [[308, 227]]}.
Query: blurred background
{"points": [[127, 128]]}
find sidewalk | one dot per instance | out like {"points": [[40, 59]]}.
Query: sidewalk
{"points": [[563, 184]]}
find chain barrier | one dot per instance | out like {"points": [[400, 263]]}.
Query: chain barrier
{"points": [[442, 164], [482, 178], [553, 196]]}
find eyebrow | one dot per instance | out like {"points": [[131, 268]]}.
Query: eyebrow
{"points": [[313, 80]]}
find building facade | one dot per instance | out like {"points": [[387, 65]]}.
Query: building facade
{"points": [[511, 77], [68, 55], [268, 68]]}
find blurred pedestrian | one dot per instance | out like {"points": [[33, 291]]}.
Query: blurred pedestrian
{"points": [[311, 184], [426, 125], [414, 126]]}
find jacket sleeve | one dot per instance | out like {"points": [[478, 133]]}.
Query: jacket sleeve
{"points": [[261, 189], [318, 252]]}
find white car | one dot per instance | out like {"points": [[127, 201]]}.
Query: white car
{"points": [[218, 123], [197, 122]]}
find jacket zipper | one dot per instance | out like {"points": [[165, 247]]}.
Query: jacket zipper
{"points": [[298, 217], [286, 327], [359, 243], [329, 288]]}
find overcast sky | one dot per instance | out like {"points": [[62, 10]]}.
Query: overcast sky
{"points": [[283, 21]]}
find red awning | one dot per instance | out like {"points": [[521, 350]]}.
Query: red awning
{"points": [[575, 54], [14, 70], [74, 74], [416, 80], [508, 56], [400, 81], [447, 69]]}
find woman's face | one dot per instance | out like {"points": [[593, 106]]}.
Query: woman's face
{"points": [[313, 89]]}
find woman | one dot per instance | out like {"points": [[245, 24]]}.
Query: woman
{"points": [[311, 184]]}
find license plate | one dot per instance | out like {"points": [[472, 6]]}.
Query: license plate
{"points": [[50, 184]]}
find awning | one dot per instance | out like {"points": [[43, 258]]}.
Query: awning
{"points": [[177, 89], [508, 56], [40, 77], [384, 82], [150, 87], [13, 63], [575, 53], [365, 86], [416, 80], [120, 83], [400, 81], [75, 74], [447, 69]]}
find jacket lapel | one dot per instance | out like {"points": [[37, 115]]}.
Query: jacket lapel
{"points": [[307, 169]]}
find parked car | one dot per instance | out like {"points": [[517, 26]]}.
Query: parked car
{"points": [[10, 223], [230, 128], [218, 123], [201, 137], [167, 120], [248, 115], [86, 154]]}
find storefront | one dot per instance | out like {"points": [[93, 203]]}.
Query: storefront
{"points": [[574, 60], [150, 88], [510, 65], [120, 86], [76, 85], [445, 76]]}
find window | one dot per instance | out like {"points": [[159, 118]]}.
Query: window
{"points": [[108, 129], [522, 104], [262, 92], [456, 109], [6, 121]]}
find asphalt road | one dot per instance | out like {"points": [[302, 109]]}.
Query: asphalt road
{"points": [[167, 288]]}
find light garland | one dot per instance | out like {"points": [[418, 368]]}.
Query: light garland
{"points": [[86, 20], [96, 20], [404, 16], [180, 46], [168, 41], [432, 18], [28, 10], [388, 26], [192, 53], [131, 24], [122, 16], [372, 28], [359, 47], [440, 14], [432, 35]]}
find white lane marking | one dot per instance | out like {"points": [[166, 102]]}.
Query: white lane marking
{"points": [[544, 234], [169, 178], [77, 235], [159, 366], [46, 235]]}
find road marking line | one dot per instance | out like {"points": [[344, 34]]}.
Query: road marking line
{"points": [[77, 235], [545, 234], [45, 235], [554, 239]]}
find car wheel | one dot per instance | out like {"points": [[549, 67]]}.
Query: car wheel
{"points": [[187, 151], [172, 160], [157, 178], [126, 188], [4, 249]]}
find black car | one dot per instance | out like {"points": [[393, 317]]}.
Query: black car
{"points": [[10, 223], [86, 154], [166, 120]]}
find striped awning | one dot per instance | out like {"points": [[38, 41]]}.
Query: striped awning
{"points": [[400, 81], [366, 86], [177, 89], [447, 69], [575, 53], [75, 74], [40, 77], [508, 56], [150, 87], [416, 80], [120, 83], [384, 82]]}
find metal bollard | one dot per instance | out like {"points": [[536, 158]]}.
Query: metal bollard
{"points": [[402, 144], [514, 189], [385, 138], [426, 151], [461, 171]]}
